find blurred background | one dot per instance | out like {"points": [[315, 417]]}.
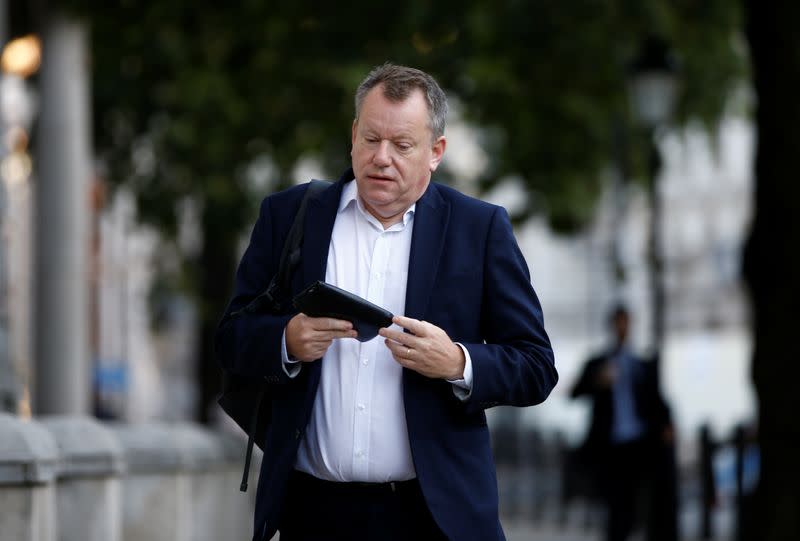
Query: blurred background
{"points": [[644, 149]]}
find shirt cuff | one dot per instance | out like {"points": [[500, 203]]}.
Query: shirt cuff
{"points": [[462, 388], [291, 366]]}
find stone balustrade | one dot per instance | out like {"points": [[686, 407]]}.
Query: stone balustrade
{"points": [[76, 478]]}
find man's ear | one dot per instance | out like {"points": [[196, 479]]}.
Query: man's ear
{"points": [[438, 152], [353, 136]]}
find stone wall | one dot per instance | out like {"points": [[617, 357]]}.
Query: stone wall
{"points": [[75, 478]]}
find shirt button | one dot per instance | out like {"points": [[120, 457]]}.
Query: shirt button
{"points": [[362, 407], [360, 454], [365, 361]]}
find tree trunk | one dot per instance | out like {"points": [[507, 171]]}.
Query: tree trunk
{"points": [[217, 267], [772, 265]]}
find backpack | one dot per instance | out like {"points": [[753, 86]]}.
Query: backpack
{"points": [[243, 398]]}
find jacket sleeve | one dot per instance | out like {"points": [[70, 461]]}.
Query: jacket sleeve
{"points": [[515, 365], [587, 383], [249, 344], [659, 414]]}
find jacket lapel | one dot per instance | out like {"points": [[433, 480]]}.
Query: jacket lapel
{"points": [[430, 224], [319, 219], [318, 228]]}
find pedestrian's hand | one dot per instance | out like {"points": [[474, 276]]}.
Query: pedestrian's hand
{"points": [[426, 349], [606, 375], [308, 338]]}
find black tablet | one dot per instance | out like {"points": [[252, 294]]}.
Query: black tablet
{"points": [[321, 299]]}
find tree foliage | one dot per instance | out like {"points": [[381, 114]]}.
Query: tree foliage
{"points": [[208, 87]]}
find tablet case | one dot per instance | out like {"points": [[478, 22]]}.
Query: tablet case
{"points": [[321, 299]]}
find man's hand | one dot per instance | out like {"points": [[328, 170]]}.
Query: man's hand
{"points": [[606, 375], [427, 350], [308, 338]]}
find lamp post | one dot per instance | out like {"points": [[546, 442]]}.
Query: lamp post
{"points": [[64, 162], [652, 88]]}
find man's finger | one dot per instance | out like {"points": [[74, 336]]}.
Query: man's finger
{"points": [[399, 351], [330, 324], [392, 334], [330, 335], [400, 337], [414, 325]]}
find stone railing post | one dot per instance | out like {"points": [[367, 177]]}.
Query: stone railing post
{"points": [[88, 502], [155, 493], [182, 484], [28, 465]]}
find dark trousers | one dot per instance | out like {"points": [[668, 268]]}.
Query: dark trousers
{"points": [[317, 510], [641, 491], [629, 488]]}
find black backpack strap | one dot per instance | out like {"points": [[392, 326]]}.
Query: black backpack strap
{"points": [[273, 299], [290, 257], [250, 440]]}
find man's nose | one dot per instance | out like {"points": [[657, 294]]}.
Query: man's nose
{"points": [[382, 156]]}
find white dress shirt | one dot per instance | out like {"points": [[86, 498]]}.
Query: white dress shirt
{"points": [[627, 425], [357, 430]]}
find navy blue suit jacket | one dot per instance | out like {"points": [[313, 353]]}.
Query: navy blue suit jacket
{"points": [[467, 275]]}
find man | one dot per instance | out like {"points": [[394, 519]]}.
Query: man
{"points": [[628, 446], [387, 439]]}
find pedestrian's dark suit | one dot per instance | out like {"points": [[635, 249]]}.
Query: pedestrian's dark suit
{"points": [[467, 275], [620, 468], [650, 406]]}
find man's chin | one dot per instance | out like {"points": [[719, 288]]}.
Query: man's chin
{"points": [[380, 207], [377, 194]]}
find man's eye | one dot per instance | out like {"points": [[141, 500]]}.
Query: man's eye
{"points": [[404, 146]]}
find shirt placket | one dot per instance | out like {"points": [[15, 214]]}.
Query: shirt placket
{"points": [[366, 370]]}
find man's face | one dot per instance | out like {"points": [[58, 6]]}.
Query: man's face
{"points": [[393, 153], [621, 324]]}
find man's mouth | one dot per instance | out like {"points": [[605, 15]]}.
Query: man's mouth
{"points": [[380, 178]]}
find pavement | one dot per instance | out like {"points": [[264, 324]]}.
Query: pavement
{"points": [[518, 530]]}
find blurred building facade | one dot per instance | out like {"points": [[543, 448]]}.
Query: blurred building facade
{"points": [[133, 361], [20, 59]]}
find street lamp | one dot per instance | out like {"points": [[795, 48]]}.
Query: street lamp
{"points": [[652, 87], [652, 83]]}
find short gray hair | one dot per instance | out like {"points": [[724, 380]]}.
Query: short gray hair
{"points": [[398, 84]]}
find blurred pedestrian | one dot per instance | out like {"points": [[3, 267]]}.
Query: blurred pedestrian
{"points": [[387, 439], [629, 445]]}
